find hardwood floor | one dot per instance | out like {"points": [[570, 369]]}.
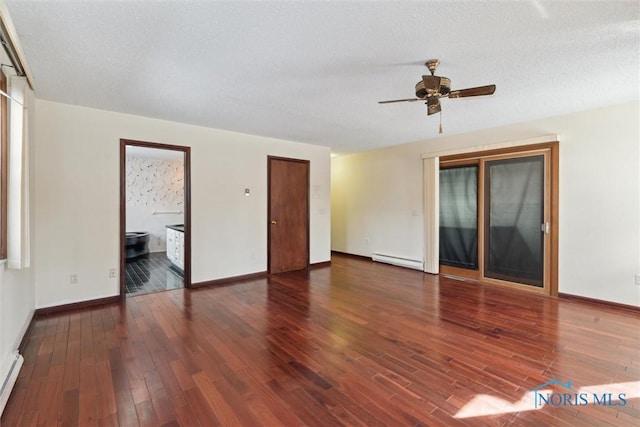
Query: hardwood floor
{"points": [[356, 343]]}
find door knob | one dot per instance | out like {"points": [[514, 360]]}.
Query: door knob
{"points": [[273, 221]]}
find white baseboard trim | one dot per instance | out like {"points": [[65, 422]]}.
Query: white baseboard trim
{"points": [[399, 261], [9, 375]]}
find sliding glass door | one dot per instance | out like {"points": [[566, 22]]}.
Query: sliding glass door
{"points": [[459, 216], [514, 217], [495, 215]]}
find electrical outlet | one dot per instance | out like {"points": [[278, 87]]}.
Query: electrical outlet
{"points": [[638, 279], [73, 279], [112, 273]]}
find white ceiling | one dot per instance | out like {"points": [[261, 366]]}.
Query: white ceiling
{"points": [[313, 72]]}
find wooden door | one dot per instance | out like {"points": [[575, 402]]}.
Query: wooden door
{"points": [[288, 235]]}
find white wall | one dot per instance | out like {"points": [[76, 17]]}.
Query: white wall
{"points": [[376, 203], [155, 187], [375, 196], [17, 302], [17, 290], [77, 192]]}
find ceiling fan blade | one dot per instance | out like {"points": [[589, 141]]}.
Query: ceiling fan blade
{"points": [[433, 106], [400, 100], [473, 91]]}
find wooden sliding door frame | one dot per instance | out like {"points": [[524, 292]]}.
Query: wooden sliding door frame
{"points": [[551, 215]]}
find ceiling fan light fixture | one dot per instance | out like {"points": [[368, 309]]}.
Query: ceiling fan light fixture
{"points": [[433, 105]]}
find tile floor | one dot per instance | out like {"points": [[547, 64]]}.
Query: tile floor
{"points": [[151, 274]]}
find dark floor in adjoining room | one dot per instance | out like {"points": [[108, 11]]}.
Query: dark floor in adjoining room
{"points": [[152, 274]]}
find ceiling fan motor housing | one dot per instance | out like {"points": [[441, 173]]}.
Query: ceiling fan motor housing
{"points": [[438, 86]]}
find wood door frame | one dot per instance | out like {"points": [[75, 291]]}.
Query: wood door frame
{"points": [[308, 219], [553, 176], [123, 205]]}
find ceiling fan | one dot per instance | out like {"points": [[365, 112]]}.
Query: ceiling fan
{"points": [[431, 88]]}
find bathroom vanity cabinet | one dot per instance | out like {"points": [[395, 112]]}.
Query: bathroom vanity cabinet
{"points": [[175, 245]]}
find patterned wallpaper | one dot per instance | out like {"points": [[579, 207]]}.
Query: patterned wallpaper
{"points": [[158, 184]]}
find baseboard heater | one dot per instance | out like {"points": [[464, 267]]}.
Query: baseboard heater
{"points": [[10, 369], [399, 261]]}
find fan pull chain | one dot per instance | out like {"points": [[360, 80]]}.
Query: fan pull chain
{"points": [[440, 128]]}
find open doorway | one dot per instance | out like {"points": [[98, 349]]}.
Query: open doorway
{"points": [[155, 232]]}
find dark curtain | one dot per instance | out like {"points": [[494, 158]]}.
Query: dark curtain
{"points": [[514, 189], [459, 216]]}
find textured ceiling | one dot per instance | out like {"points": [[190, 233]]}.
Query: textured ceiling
{"points": [[313, 71]]}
